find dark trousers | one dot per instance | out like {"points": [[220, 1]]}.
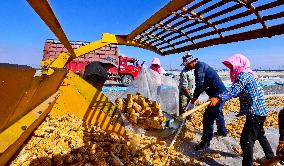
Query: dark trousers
{"points": [[183, 101], [210, 115], [252, 131], [281, 124]]}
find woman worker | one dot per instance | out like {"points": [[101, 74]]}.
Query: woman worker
{"points": [[252, 102]]}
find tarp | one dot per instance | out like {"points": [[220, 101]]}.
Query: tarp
{"points": [[160, 88], [114, 89]]}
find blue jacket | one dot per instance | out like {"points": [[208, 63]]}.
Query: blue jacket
{"points": [[250, 94], [207, 79]]}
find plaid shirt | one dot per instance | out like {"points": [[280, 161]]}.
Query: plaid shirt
{"points": [[250, 94]]}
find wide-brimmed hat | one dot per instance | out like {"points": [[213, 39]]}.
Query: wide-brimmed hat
{"points": [[109, 60], [187, 58]]}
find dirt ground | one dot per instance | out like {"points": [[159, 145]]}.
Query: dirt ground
{"points": [[225, 150], [67, 140]]}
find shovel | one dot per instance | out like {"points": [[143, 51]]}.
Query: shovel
{"points": [[183, 116], [175, 124]]}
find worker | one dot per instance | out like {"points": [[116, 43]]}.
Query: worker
{"points": [[207, 79], [156, 66], [252, 105], [280, 148], [187, 84], [96, 72], [157, 73]]}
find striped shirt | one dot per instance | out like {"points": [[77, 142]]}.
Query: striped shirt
{"points": [[250, 94]]}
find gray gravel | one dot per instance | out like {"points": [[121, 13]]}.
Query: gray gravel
{"points": [[272, 90]]}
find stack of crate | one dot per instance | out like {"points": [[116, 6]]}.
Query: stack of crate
{"points": [[52, 48]]}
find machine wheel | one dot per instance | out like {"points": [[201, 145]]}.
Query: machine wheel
{"points": [[127, 80]]}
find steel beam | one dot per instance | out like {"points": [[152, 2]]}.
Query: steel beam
{"points": [[44, 10], [156, 18], [254, 34]]}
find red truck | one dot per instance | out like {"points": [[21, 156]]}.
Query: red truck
{"points": [[125, 71]]}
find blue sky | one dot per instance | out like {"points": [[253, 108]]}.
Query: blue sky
{"points": [[23, 33]]}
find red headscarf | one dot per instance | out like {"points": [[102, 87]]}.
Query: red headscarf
{"points": [[238, 63]]}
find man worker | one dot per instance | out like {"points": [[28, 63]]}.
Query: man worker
{"points": [[187, 85], [207, 79]]}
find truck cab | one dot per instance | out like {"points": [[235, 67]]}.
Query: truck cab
{"points": [[127, 71]]}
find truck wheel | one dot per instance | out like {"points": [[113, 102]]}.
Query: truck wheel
{"points": [[127, 80]]}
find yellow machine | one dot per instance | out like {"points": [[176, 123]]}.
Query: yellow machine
{"points": [[26, 99]]}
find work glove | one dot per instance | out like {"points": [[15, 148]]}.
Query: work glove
{"points": [[280, 150], [214, 101], [193, 100]]}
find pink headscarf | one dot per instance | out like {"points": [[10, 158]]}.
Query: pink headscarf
{"points": [[158, 69], [238, 63]]}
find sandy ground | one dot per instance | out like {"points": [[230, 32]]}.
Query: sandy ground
{"points": [[223, 145]]}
